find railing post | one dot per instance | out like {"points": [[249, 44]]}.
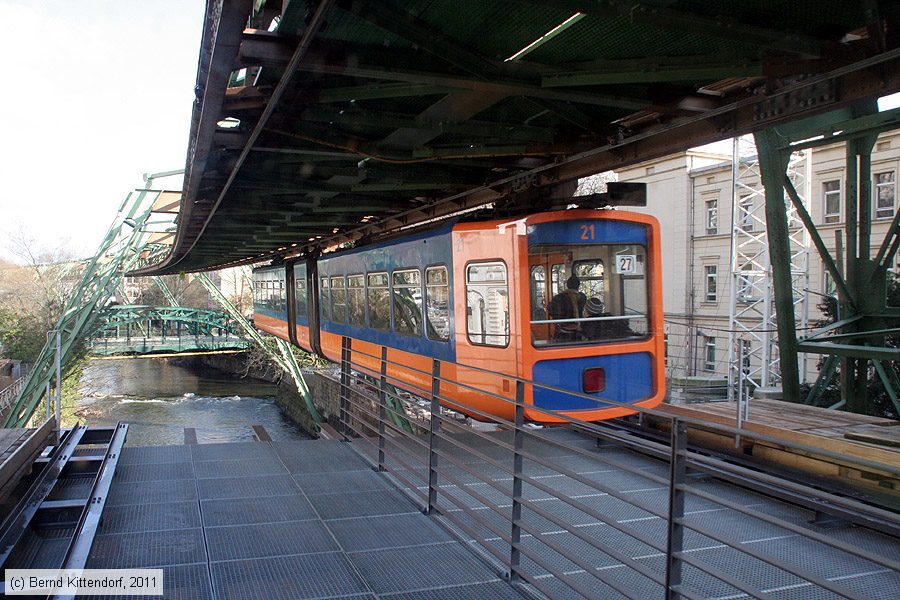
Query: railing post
{"points": [[516, 517], [382, 408], [58, 366], [677, 475], [345, 386], [433, 431]]}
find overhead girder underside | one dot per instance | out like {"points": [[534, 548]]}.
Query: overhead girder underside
{"points": [[354, 119]]}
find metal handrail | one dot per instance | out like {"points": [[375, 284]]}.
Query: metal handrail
{"points": [[893, 469], [375, 427], [10, 392]]}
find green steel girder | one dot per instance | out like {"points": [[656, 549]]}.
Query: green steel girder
{"points": [[198, 321], [773, 164], [860, 336], [849, 350], [167, 293]]}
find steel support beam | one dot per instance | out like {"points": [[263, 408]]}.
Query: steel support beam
{"points": [[773, 164]]}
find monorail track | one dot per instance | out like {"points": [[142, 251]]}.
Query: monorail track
{"points": [[829, 499], [53, 524]]}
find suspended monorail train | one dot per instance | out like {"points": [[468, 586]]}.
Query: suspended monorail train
{"points": [[570, 300]]}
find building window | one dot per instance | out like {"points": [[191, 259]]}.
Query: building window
{"points": [[745, 213], [831, 196], [437, 304], [379, 301], [356, 300], [711, 272], [487, 304], [828, 286], [712, 217], [745, 285], [407, 287], [709, 353], [885, 192], [746, 350]]}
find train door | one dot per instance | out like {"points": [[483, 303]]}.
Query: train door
{"points": [[547, 276], [487, 330]]}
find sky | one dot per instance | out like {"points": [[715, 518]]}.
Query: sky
{"points": [[98, 92]]}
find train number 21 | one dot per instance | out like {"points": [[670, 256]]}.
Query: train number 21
{"points": [[587, 232]]}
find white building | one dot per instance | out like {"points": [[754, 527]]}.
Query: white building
{"points": [[693, 196]]}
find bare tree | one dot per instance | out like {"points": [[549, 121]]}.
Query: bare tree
{"points": [[595, 184]]}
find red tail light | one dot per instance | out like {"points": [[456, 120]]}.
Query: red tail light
{"points": [[593, 380]]}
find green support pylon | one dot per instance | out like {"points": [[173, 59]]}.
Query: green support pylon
{"points": [[860, 333], [116, 255], [773, 165]]}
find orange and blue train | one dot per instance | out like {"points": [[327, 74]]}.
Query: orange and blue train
{"points": [[570, 300]]}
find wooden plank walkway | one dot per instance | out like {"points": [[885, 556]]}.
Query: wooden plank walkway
{"points": [[860, 436], [18, 449]]}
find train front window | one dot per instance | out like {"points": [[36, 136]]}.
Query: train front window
{"points": [[408, 302], [598, 294]]}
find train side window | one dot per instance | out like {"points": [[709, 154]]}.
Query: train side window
{"points": [[437, 304], [356, 300], [379, 307], [300, 302], [338, 300], [487, 304], [281, 295], [325, 299], [407, 291]]}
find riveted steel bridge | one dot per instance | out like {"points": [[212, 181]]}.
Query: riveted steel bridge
{"points": [[134, 329]]}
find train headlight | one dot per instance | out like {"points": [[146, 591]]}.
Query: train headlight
{"points": [[593, 380]]}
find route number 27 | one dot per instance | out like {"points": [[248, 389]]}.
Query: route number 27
{"points": [[626, 264]]}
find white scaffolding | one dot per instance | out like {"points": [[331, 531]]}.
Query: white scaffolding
{"points": [[752, 352]]}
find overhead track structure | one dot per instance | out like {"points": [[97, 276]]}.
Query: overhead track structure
{"points": [[320, 123]]}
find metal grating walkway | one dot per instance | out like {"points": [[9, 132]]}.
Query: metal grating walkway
{"points": [[484, 502], [285, 520]]}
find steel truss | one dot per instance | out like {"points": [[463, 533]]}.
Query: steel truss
{"points": [[141, 329], [752, 353], [123, 248], [857, 341]]}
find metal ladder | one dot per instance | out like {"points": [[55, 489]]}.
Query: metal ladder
{"points": [[54, 523]]}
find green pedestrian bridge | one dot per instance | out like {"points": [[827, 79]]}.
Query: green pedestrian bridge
{"points": [[134, 329]]}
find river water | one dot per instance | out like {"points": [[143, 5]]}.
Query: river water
{"points": [[159, 399]]}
